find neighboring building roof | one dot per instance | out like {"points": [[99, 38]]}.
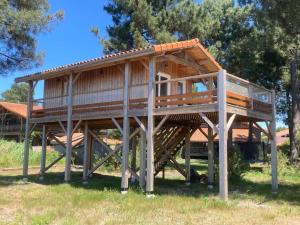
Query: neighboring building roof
{"points": [[134, 53], [78, 138], [17, 108], [282, 136], [238, 135]]}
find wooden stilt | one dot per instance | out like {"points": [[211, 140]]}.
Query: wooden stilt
{"points": [[27, 131], [90, 151], [150, 150], [223, 177], [210, 158], [43, 155], [125, 149], [273, 146], [188, 157], [229, 139], [142, 158], [69, 130], [133, 159], [85, 153]]}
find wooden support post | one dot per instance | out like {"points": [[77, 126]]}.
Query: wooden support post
{"points": [[27, 131], [188, 157], [142, 158], [44, 151], [133, 159], [230, 139], [273, 146], [250, 135], [85, 153], [69, 130], [223, 174], [125, 148], [210, 147], [150, 130], [90, 146]]}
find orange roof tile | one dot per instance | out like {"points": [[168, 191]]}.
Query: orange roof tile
{"points": [[282, 137], [17, 108], [134, 53]]}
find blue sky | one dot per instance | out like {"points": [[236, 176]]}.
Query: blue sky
{"points": [[70, 40]]}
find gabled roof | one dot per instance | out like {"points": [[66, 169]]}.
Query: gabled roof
{"points": [[17, 108], [131, 54]]}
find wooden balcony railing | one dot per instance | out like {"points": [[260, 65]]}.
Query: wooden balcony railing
{"points": [[199, 89]]}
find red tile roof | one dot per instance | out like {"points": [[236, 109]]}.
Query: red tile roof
{"points": [[17, 108], [134, 53], [282, 137], [238, 135]]}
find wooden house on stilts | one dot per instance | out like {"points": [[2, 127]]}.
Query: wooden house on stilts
{"points": [[160, 94]]}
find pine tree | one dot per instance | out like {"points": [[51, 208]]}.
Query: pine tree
{"points": [[20, 22]]}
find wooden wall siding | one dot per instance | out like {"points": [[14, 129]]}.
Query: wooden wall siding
{"points": [[96, 86]]}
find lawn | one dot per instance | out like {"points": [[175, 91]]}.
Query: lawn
{"points": [[100, 202]]}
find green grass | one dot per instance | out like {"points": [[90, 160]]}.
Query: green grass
{"points": [[11, 155], [100, 202]]}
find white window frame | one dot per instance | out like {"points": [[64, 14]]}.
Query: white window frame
{"points": [[183, 82], [165, 75]]}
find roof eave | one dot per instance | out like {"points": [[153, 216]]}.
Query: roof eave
{"points": [[84, 66]]}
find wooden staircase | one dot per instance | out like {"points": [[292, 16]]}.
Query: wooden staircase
{"points": [[168, 141]]}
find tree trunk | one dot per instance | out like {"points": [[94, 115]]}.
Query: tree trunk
{"points": [[295, 86]]}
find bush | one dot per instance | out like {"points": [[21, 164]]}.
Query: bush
{"points": [[11, 155], [237, 167], [284, 167]]}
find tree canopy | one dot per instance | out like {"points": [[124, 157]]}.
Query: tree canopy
{"points": [[250, 38], [20, 22], [17, 93]]}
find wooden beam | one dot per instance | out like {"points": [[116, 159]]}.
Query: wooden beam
{"points": [[184, 62], [76, 126], [144, 64], [69, 130], [43, 153], [230, 121], [133, 159], [209, 122], [210, 147], [54, 162], [160, 124], [202, 131], [273, 145], [223, 174], [117, 125], [188, 157], [150, 144], [85, 152], [111, 152], [142, 126], [62, 127], [76, 78], [142, 147], [125, 149], [27, 131], [263, 130]]}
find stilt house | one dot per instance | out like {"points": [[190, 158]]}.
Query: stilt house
{"points": [[161, 94]]}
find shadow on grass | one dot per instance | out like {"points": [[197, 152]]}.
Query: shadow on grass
{"points": [[287, 192]]}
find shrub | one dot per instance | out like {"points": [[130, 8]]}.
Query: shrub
{"points": [[237, 167], [284, 167]]}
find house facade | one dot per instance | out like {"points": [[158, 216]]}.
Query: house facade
{"points": [[158, 95]]}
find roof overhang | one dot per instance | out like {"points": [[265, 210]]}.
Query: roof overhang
{"points": [[118, 58]]}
